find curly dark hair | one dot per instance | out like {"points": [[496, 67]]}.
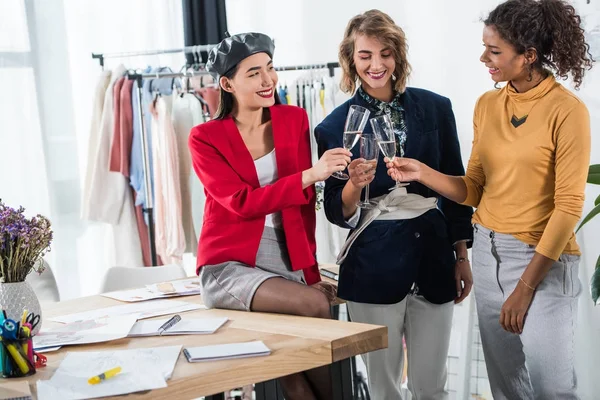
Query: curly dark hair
{"points": [[552, 28]]}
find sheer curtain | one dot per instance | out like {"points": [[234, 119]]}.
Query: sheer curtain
{"points": [[48, 77], [23, 180]]}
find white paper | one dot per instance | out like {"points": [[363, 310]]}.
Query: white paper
{"points": [[67, 387], [226, 351], [46, 349], [183, 327], [147, 309], [182, 287], [142, 369], [82, 332], [135, 295]]}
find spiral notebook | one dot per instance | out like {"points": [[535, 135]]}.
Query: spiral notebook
{"points": [[226, 351], [187, 326], [15, 391]]}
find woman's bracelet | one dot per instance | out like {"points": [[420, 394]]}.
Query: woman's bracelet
{"points": [[527, 284]]}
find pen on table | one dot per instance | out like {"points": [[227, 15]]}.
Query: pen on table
{"points": [[103, 376], [175, 319]]}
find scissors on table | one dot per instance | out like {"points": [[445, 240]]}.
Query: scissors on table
{"points": [[33, 320]]}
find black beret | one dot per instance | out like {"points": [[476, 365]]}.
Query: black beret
{"points": [[232, 50]]}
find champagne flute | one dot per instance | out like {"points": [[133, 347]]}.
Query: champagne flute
{"points": [[355, 124], [386, 139], [370, 152]]}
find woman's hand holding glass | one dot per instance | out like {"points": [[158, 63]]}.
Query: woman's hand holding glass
{"points": [[404, 169], [361, 173], [331, 161]]}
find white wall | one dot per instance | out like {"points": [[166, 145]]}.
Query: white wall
{"points": [[444, 48]]}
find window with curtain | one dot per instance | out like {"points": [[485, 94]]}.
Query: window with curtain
{"points": [[48, 77]]}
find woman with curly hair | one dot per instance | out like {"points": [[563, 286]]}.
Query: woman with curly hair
{"points": [[526, 176]]}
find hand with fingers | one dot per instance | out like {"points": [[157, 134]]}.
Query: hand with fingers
{"points": [[404, 169], [464, 279], [361, 173], [331, 161], [328, 289], [514, 310]]}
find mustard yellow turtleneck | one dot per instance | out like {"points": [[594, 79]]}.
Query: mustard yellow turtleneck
{"points": [[529, 180]]}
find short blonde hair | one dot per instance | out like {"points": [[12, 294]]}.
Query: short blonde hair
{"points": [[379, 25]]}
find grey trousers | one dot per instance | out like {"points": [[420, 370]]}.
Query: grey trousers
{"points": [[539, 363], [426, 328]]}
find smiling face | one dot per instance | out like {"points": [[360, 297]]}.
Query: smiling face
{"points": [[374, 63], [254, 83], [501, 59]]}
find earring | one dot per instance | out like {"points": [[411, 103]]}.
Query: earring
{"points": [[497, 86], [530, 77], [394, 77]]}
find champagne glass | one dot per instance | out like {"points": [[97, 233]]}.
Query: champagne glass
{"points": [[355, 124], [370, 152], [386, 139]]}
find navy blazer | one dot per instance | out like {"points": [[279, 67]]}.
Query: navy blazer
{"points": [[391, 258]]}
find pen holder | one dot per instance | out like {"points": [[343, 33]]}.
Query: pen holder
{"points": [[17, 358]]}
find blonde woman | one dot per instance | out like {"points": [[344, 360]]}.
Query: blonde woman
{"points": [[405, 270]]}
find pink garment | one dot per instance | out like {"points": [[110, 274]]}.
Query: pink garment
{"points": [[120, 155], [170, 237], [115, 145], [211, 96], [187, 113], [144, 237]]}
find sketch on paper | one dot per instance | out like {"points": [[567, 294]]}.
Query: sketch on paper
{"points": [[83, 332], [142, 369]]}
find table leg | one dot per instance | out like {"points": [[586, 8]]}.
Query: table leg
{"points": [[269, 390], [341, 374], [335, 312], [217, 396]]}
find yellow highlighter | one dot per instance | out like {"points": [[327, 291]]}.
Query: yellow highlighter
{"points": [[103, 376], [24, 317]]}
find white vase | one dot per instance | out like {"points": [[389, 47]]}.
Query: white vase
{"points": [[19, 296]]}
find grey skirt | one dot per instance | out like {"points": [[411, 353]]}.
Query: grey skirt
{"points": [[232, 284]]}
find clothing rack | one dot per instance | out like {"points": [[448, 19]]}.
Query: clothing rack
{"points": [[149, 190], [187, 49], [330, 66], [139, 77]]}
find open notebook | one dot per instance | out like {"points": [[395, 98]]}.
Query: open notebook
{"points": [[187, 326], [226, 351]]}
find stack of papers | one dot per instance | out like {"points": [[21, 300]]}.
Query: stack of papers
{"points": [[226, 351], [141, 369], [185, 287], [193, 326], [142, 310]]}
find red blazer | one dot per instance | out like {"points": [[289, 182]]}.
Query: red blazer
{"points": [[236, 205]]}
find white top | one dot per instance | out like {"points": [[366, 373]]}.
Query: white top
{"points": [[266, 169]]}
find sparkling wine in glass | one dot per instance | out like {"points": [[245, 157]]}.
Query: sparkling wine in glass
{"points": [[386, 139], [356, 120], [369, 150]]}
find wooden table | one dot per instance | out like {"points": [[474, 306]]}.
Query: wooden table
{"points": [[297, 344]]}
